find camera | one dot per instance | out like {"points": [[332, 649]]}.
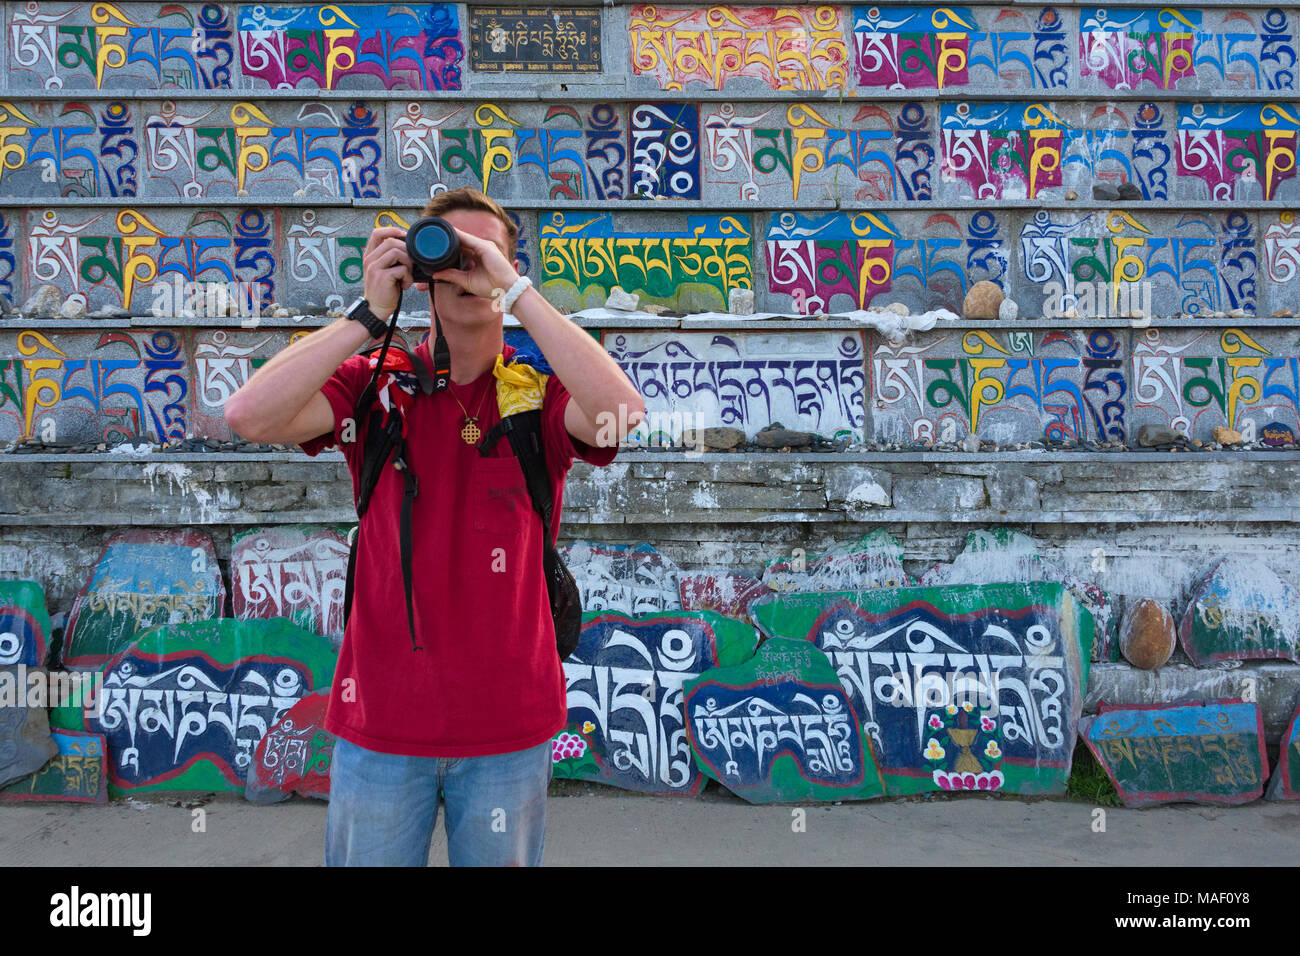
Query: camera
{"points": [[433, 245]]}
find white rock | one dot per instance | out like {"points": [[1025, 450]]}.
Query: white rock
{"points": [[73, 309], [898, 308], [971, 443], [740, 301], [1008, 310], [623, 301]]}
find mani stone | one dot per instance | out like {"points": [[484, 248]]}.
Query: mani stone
{"points": [[1211, 753], [44, 303], [25, 742], [1241, 610], [1105, 192], [1275, 434], [976, 687], [740, 301], [626, 725], [1153, 436], [142, 579], [1285, 783], [1226, 436], [1147, 635], [1129, 191], [1000, 555], [294, 756], [982, 301], [184, 707], [1008, 310], [779, 728], [76, 774], [24, 624], [619, 577], [727, 592], [623, 301]]}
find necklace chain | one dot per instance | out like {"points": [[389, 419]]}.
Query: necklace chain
{"points": [[470, 433]]}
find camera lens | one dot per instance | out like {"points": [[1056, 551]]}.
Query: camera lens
{"points": [[433, 246]]}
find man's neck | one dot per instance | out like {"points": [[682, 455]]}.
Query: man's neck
{"points": [[473, 351]]}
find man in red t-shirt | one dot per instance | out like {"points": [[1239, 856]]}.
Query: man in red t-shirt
{"points": [[468, 703]]}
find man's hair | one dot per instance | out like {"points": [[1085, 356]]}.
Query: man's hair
{"points": [[467, 197]]}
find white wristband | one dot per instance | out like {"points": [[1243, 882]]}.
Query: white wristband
{"points": [[515, 291]]}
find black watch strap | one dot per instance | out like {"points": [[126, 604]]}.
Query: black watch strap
{"points": [[360, 312]]}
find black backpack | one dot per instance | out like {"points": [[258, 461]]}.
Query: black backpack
{"points": [[384, 442]]}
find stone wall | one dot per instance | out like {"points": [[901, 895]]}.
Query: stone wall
{"points": [[169, 220]]}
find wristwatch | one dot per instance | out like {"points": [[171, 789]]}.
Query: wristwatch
{"points": [[360, 312]]}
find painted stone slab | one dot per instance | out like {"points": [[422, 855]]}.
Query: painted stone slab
{"points": [[138, 46], [726, 592], [584, 255], [1002, 555], [807, 381], [295, 754], [1195, 380], [779, 728], [752, 45], [957, 687], [1209, 752], [24, 624], [1285, 782], [142, 579], [873, 561], [185, 705], [626, 725], [76, 774], [351, 46], [534, 40], [25, 742], [839, 262], [1241, 610], [294, 571], [1005, 386], [632, 579]]}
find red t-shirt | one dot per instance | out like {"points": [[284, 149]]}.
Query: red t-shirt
{"points": [[488, 679]]}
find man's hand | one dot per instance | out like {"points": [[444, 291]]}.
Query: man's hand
{"points": [[386, 270], [489, 270]]}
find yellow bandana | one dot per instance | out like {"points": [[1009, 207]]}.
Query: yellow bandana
{"points": [[520, 387]]}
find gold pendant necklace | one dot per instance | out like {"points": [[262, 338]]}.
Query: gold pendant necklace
{"points": [[470, 433]]}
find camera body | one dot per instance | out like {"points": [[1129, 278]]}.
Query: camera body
{"points": [[433, 245]]}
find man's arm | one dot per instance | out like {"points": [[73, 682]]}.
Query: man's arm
{"points": [[603, 404], [282, 403]]}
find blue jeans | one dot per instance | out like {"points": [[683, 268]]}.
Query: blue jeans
{"points": [[383, 807]]}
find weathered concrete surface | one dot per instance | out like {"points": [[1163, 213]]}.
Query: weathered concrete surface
{"points": [[612, 828]]}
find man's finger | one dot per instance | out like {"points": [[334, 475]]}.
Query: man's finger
{"points": [[379, 235]]}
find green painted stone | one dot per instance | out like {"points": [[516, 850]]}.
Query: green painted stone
{"points": [[957, 688], [74, 775], [873, 561], [1241, 610], [626, 726], [1210, 753], [1005, 556], [779, 729], [1285, 784], [143, 579], [24, 624], [185, 705]]}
